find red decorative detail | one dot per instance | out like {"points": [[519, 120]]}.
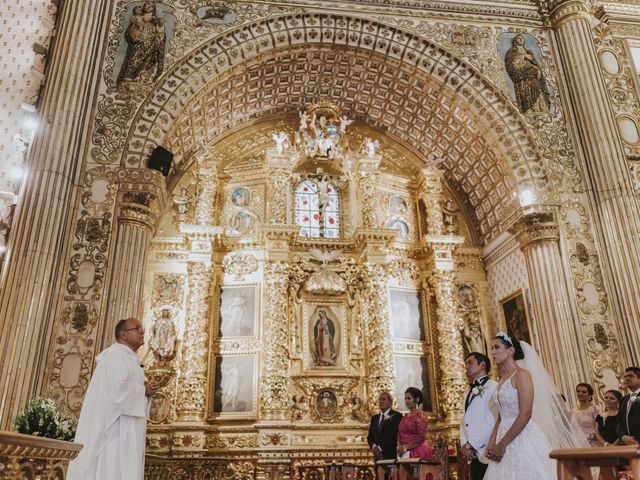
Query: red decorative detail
{"points": [[305, 189], [316, 216], [305, 219], [163, 442], [305, 202], [332, 221], [275, 438], [329, 190], [187, 440]]}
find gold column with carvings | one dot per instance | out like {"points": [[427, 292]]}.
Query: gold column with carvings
{"points": [[279, 188], [367, 178], [430, 191], [558, 328], [605, 167], [195, 344], [449, 324], [274, 401]]}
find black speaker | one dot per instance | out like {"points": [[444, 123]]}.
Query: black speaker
{"points": [[160, 160]]}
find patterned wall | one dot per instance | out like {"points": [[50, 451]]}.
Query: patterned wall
{"points": [[507, 272], [21, 25]]}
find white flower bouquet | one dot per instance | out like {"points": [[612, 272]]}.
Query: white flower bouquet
{"points": [[43, 418]]}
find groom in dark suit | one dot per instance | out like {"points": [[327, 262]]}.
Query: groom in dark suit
{"points": [[629, 411], [383, 429]]}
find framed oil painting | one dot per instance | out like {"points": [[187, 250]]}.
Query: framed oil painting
{"points": [[325, 336], [238, 312], [235, 392], [405, 315], [412, 371], [516, 316]]}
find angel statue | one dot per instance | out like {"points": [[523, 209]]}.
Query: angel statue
{"points": [[282, 142], [344, 123], [304, 120], [324, 280], [182, 202]]}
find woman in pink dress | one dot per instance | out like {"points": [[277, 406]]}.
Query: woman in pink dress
{"points": [[586, 413], [413, 428]]}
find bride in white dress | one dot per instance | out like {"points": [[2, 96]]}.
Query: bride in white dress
{"points": [[533, 417]]}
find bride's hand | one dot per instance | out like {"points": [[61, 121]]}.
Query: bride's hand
{"points": [[497, 452]]}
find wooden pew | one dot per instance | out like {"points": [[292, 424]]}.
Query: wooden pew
{"points": [[576, 463]]}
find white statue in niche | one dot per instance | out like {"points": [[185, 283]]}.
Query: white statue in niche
{"points": [[182, 202], [472, 335], [163, 336], [230, 385], [370, 147], [450, 213], [282, 142]]}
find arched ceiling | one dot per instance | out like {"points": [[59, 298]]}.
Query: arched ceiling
{"points": [[389, 97], [398, 84]]}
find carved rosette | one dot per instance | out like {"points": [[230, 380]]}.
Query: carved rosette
{"points": [[274, 402], [431, 195], [207, 183], [451, 367], [279, 194], [375, 313], [368, 199], [193, 372]]}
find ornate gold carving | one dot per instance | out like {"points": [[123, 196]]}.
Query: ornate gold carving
{"points": [[193, 380], [406, 271], [431, 195], [369, 211], [274, 401], [451, 356], [239, 265], [220, 441]]}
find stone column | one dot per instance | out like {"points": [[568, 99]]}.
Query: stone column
{"points": [[379, 353], [192, 391], [31, 280], [606, 169], [207, 178], [431, 194], [275, 337], [558, 329], [136, 221], [448, 326], [367, 199]]}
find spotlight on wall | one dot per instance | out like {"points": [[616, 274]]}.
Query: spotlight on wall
{"points": [[527, 197]]}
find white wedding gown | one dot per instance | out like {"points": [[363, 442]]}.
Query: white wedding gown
{"points": [[527, 456]]}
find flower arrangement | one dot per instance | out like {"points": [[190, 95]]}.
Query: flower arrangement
{"points": [[43, 418]]}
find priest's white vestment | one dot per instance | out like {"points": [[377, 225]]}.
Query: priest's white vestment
{"points": [[113, 420]]}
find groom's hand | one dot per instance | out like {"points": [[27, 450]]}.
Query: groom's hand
{"points": [[467, 451]]}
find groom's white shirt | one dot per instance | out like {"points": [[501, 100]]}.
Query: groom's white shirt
{"points": [[479, 419]]}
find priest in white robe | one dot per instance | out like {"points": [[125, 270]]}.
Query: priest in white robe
{"points": [[113, 420]]}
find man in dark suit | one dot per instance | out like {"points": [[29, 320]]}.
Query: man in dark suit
{"points": [[383, 430], [629, 411]]}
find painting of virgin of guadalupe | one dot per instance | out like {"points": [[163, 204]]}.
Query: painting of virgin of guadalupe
{"points": [[324, 334], [521, 56]]}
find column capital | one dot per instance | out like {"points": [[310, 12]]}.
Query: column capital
{"points": [[443, 247], [534, 226], [562, 10], [142, 196]]}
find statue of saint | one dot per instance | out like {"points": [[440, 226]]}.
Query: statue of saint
{"points": [[163, 336], [282, 141], [449, 213], [532, 94], [324, 332], [230, 385], [145, 36]]}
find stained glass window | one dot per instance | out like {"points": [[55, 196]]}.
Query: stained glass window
{"points": [[308, 210]]}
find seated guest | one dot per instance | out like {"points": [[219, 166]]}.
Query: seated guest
{"points": [[413, 428], [629, 416], [383, 429], [586, 413], [607, 422]]}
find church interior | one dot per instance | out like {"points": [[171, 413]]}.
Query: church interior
{"points": [[307, 203]]}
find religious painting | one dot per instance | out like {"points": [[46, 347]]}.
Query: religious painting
{"points": [[398, 205], [405, 312], [242, 223], [467, 296], [148, 28], [326, 404], [516, 316], [522, 61], [159, 408], [401, 226], [238, 311], [412, 371], [325, 335], [216, 14], [241, 197], [234, 386]]}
